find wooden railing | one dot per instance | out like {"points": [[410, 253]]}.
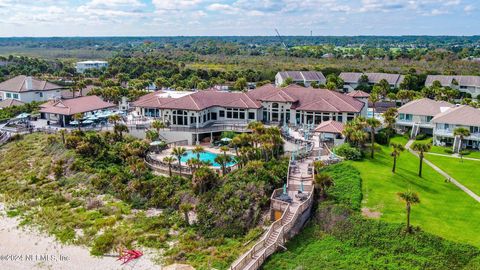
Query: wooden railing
{"points": [[261, 250]]}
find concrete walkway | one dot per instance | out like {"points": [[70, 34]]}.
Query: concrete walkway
{"points": [[440, 171], [452, 156]]}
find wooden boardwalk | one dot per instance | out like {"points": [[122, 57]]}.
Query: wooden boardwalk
{"points": [[282, 229]]}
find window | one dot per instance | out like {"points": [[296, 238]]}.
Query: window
{"points": [[242, 115], [221, 113], [8, 95], [251, 115], [229, 114], [41, 94], [15, 96]]}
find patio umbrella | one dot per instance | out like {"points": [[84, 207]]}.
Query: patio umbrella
{"points": [[225, 139], [92, 117], [87, 122], [74, 123], [156, 143], [22, 115]]}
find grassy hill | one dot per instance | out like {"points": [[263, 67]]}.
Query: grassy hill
{"points": [[339, 237]]}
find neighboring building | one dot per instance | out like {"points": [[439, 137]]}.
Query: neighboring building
{"points": [[62, 111], [417, 115], [300, 77], [462, 116], [466, 84], [382, 106], [352, 79], [84, 65], [28, 89], [10, 102]]}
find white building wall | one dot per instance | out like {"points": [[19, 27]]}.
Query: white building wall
{"points": [[30, 96]]}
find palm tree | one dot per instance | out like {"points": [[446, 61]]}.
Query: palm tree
{"points": [[224, 149], [397, 149], [410, 198], [203, 178], [198, 150], [169, 160], [373, 124], [236, 143], [374, 98], [114, 119], [390, 118], [421, 148], [157, 124], [223, 161], [78, 117], [322, 182], [185, 208], [179, 152], [461, 132], [119, 129], [62, 134]]}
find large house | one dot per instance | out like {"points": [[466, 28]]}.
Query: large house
{"points": [[353, 79], [462, 116], [466, 84], [84, 65], [61, 112], [28, 89], [417, 115], [300, 77], [205, 111]]}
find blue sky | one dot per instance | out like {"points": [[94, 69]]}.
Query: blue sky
{"points": [[238, 17]]}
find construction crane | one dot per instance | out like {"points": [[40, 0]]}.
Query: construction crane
{"points": [[281, 40]]}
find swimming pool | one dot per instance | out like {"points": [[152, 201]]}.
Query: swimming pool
{"points": [[205, 156]]}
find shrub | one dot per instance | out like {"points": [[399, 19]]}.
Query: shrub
{"points": [[421, 137], [382, 136], [347, 189], [448, 150], [348, 152], [103, 244], [464, 152]]}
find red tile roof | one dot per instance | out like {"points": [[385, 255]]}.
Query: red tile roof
{"points": [[358, 94], [200, 100], [75, 105], [303, 98], [10, 102], [19, 84], [151, 100], [311, 99], [330, 127]]}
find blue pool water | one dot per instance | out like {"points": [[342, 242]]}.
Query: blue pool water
{"points": [[205, 156]]}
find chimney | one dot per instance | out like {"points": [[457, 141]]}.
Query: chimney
{"points": [[28, 83]]}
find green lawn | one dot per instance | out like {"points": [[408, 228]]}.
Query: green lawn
{"points": [[465, 172], [444, 210], [441, 150]]}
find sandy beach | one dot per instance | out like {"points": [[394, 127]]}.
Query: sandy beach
{"points": [[25, 248]]}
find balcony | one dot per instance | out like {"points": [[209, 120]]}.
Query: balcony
{"points": [[449, 133]]}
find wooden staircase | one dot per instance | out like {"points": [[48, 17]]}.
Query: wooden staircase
{"points": [[281, 229]]}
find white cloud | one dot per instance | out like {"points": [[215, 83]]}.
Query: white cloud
{"points": [[175, 4], [223, 8]]}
